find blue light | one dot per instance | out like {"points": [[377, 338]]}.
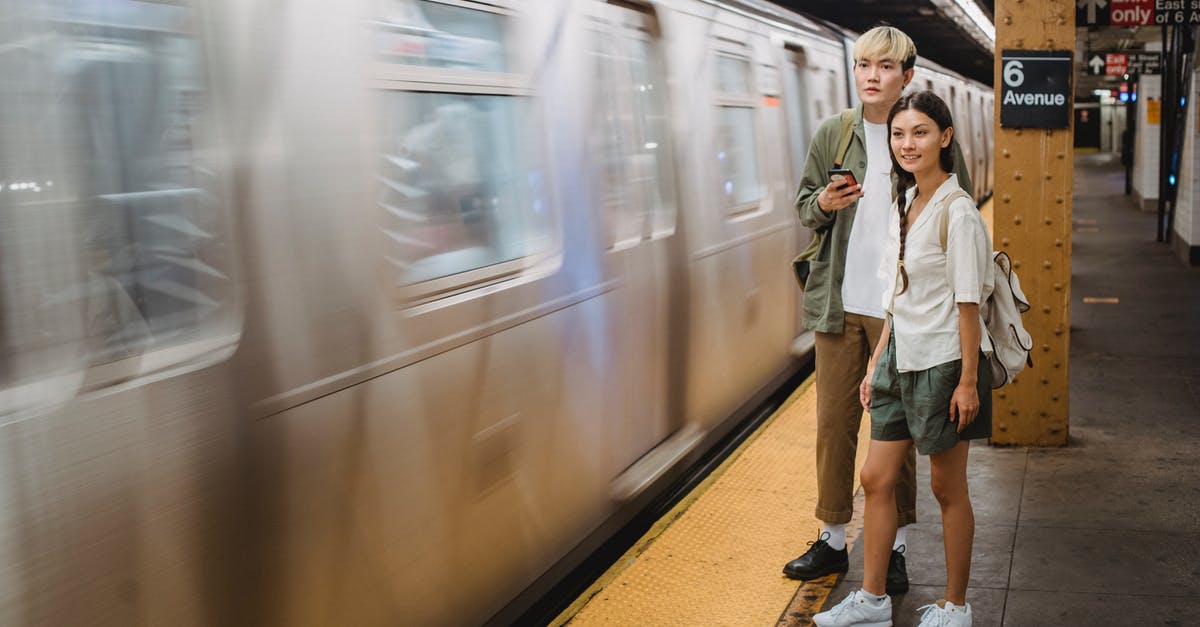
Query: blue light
{"points": [[1171, 180], [1123, 97], [1135, 97], [1183, 102]]}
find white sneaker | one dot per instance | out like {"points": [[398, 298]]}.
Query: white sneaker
{"points": [[950, 616], [857, 611]]}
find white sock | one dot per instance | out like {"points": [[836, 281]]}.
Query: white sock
{"points": [[901, 534], [837, 535], [874, 599]]}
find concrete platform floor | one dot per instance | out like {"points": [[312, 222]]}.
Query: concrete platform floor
{"points": [[1107, 530]]}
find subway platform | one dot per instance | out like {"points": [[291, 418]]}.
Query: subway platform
{"points": [[1105, 531]]}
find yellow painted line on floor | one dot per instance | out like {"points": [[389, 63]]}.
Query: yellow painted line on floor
{"points": [[717, 557]]}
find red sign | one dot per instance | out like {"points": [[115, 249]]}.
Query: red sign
{"points": [[1116, 64], [1131, 13]]}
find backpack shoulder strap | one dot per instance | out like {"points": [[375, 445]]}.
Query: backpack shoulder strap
{"points": [[944, 219], [844, 138]]}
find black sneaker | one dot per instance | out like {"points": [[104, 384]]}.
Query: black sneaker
{"points": [[897, 575], [819, 560]]}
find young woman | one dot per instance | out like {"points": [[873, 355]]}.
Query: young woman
{"points": [[927, 383]]}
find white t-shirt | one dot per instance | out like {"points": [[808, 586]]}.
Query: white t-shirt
{"points": [[925, 317], [861, 284]]}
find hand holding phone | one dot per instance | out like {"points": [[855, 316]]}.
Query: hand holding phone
{"points": [[842, 178], [842, 190]]}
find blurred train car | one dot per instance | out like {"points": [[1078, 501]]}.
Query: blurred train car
{"points": [[376, 312]]}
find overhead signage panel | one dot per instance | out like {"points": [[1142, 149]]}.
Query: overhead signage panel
{"points": [[1136, 12], [1121, 63], [1035, 88]]}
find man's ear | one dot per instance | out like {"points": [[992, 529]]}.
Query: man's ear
{"points": [[908, 74]]}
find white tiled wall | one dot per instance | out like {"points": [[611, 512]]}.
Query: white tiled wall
{"points": [[1145, 156]]}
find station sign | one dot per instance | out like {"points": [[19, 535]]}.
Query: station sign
{"points": [[1122, 63], [1035, 88], [1136, 12]]}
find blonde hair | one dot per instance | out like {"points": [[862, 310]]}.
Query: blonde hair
{"points": [[886, 42]]}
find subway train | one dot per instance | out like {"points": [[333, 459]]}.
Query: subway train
{"points": [[377, 312]]}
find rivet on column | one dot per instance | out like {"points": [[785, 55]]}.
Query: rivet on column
{"points": [[1048, 221], [1008, 198], [1017, 176], [1058, 287], [1059, 200], [1046, 264], [1045, 308], [1045, 348], [1016, 219], [1058, 243]]}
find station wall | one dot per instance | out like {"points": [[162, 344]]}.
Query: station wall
{"points": [[1145, 154]]}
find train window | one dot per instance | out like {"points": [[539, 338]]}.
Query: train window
{"points": [[633, 134], [736, 139], [115, 91], [461, 186], [796, 106], [454, 185], [441, 35]]}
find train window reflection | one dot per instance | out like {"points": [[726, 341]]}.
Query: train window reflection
{"points": [[458, 185], [733, 75], [736, 139], [633, 136], [125, 119], [441, 35]]}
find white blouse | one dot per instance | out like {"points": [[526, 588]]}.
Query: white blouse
{"points": [[925, 317]]}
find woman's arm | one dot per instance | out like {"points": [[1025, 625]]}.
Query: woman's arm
{"points": [[964, 405], [864, 388]]}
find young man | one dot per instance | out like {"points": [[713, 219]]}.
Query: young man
{"points": [[842, 298]]}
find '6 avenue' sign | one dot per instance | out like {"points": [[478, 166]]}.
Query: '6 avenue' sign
{"points": [[1035, 88]]}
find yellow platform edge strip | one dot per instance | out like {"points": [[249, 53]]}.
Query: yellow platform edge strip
{"points": [[715, 558]]}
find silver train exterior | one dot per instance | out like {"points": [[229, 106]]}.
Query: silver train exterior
{"points": [[375, 312]]}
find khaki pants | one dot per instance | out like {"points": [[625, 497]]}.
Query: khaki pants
{"points": [[841, 366]]}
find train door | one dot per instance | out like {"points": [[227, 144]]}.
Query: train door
{"points": [[796, 102], [632, 141], [117, 313]]}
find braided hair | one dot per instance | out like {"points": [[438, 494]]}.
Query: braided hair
{"points": [[931, 105]]}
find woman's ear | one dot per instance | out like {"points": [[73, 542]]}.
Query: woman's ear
{"points": [[946, 135]]}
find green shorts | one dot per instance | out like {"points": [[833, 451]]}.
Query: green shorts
{"points": [[916, 405]]}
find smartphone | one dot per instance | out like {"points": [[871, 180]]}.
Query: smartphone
{"points": [[843, 177]]}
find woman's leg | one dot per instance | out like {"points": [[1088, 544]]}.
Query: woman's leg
{"points": [[879, 476], [948, 480]]}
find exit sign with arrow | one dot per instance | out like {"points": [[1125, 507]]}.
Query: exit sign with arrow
{"points": [[1115, 13]]}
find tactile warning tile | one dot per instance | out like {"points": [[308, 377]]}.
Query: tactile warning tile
{"points": [[716, 559]]}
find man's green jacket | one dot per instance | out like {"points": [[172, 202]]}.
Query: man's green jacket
{"points": [[823, 289]]}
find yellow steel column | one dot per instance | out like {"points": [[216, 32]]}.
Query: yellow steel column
{"points": [[1032, 223]]}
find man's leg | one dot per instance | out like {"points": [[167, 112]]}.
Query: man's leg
{"points": [[840, 362]]}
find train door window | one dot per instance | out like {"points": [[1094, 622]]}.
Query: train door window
{"points": [[116, 167], [461, 187], [632, 137], [736, 140], [796, 105]]}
